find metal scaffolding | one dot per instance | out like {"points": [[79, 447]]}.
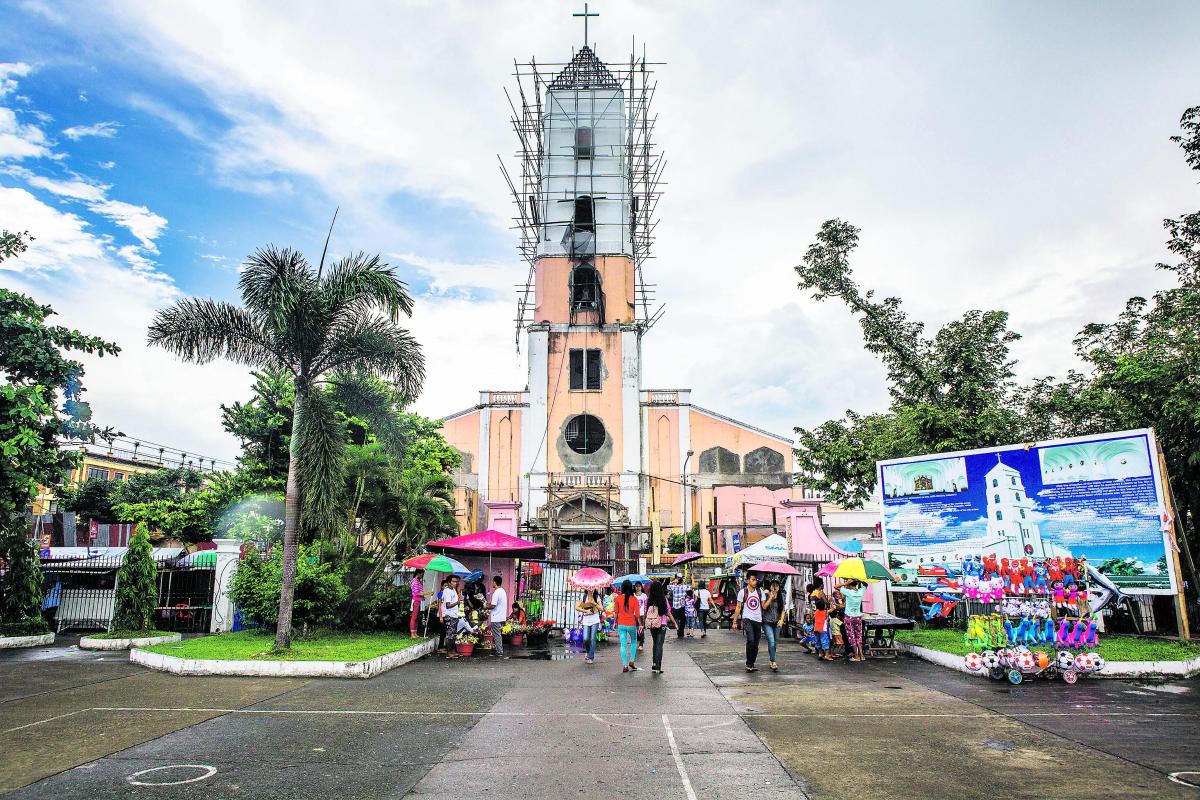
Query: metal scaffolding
{"points": [[639, 162]]}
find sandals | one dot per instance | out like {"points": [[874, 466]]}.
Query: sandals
{"points": [[774, 667]]}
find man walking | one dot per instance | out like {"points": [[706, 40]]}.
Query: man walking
{"points": [[499, 613], [678, 592], [749, 610]]}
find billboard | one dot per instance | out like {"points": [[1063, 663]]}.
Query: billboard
{"points": [[1098, 497]]}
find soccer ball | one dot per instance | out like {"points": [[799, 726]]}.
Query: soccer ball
{"points": [[990, 659], [1065, 660], [973, 662], [1097, 662], [1025, 661], [1083, 662]]}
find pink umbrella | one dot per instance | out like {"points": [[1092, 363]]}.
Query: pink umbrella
{"points": [[775, 568], [491, 542], [686, 558], [830, 568], [590, 578]]}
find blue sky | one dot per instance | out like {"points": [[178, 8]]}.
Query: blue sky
{"points": [[996, 155]]}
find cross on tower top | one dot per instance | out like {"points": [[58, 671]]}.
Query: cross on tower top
{"points": [[585, 16]]}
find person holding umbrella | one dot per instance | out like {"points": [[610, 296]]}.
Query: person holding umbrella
{"points": [[589, 608], [852, 622]]}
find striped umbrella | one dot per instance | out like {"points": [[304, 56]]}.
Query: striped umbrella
{"points": [[862, 569]]}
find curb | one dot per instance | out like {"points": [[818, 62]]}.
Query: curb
{"points": [[1112, 669], [7, 642], [283, 669], [92, 643]]}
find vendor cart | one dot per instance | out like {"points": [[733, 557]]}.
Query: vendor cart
{"points": [[879, 637]]}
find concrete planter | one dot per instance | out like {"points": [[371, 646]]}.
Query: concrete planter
{"points": [[283, 669], [93, 643], [7, 642], [1112, 669]]}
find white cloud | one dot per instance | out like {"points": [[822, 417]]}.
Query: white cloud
{"points": [[75, 189], [172, 116], [145, 392], [20, 140], [106, 164], [9, 72], [144, 224], [102, 130]]}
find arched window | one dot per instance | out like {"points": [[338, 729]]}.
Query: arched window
{"points": [[999, 514], [995, 482], [585, 434], [585, 214], [1018, 496], [1022, 513], [585, 288], [583, 142], [997, 498]]}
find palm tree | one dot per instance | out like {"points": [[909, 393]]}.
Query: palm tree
{"points": [[314, 325]]}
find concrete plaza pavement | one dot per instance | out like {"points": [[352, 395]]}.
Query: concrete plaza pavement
{"points": [[543, 725]]}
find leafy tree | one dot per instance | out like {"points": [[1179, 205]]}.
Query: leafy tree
{"points": [[97, 498], [1121, 566], [137, 586], [35, 370], [311, 324], [678, 543], [319, 594], [952, 391], [21, 589], [264, 425]]}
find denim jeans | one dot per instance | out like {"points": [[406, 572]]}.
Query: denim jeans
{"points": [[771, 634], [628, 635], [589, 638], [659, 635], [753, 630]]}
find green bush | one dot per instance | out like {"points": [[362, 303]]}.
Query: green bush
{"points": [[390, 608], [137, 586], [676, 543], [320, 588], [21, 589]]}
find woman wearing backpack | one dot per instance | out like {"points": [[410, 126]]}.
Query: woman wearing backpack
{"points": [[658, 616]]}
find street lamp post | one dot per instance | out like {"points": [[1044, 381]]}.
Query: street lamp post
{"points": [[687, 497]]}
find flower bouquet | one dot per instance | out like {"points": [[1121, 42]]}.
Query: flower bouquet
{"points": [[515, 632], [538, 631]]}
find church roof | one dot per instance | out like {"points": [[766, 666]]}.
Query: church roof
{"points": [[585, 71]]}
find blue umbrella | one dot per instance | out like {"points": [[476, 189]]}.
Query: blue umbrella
{"points": [[635, 577]]}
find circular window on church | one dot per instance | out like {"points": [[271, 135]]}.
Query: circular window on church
{"points": [[585, 434]]}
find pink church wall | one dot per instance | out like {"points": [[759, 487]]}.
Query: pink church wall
{"points": [[710, 431], [504, 454], [463, 432]]}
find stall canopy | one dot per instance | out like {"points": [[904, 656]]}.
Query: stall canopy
{"points": [[489, 542], [772, 548]]}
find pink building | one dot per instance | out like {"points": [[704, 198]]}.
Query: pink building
{"points": [[600, 464]]}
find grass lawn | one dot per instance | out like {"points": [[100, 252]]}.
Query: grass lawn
{"points": [[255, 646], [1114, 647], [128, 634]]}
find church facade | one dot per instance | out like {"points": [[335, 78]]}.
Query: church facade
{"points": [[586, 455]]}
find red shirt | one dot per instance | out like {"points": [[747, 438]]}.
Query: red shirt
{"points": [[627, 610]]}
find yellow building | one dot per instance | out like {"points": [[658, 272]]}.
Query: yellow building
{"points": [[95, 464]]}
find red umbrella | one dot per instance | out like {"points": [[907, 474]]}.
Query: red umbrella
{"points": [[418, 562], [775, 568], [686, 558], [590, 578]]}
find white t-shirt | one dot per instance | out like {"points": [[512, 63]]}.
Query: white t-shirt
{"points": [[500, 601], [751, 604], [705, 598], [450, 596]]}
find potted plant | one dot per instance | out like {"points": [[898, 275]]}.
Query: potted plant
{"points": [[515, 633], [465, 643], [538, 631]]}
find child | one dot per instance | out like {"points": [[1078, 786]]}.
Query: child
{"points": [[689, 607], [809, 639], [821, 627], [835, 629]]}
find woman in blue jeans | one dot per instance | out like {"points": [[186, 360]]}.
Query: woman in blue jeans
{"points": [[590, 607], [629, 623], [772, 611]]}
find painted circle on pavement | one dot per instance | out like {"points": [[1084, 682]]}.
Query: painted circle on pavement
{"points": [[207, 771]]}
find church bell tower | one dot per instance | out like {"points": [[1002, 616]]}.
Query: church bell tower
{"points": [[585, 207]]}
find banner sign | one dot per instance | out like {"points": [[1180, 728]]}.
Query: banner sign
{"points": [[1097, 497]]}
